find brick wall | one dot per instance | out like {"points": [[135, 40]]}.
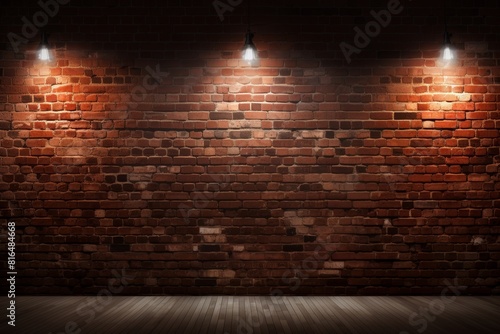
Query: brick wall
{"points": [[147, 147]]}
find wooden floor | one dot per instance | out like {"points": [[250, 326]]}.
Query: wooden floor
{"points": [[260, 314]]}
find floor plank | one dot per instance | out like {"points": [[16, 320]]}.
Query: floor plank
{"points": [[255, 315]]}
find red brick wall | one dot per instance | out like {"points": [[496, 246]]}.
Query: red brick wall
{"points": [[305, 173]]}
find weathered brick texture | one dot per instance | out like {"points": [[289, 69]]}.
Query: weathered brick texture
{"points": [[149, 145]]}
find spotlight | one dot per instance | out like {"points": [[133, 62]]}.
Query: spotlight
{"points": [[43, 50], [447, 52], [249, 49]]}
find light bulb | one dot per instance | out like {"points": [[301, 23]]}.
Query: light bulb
{"points": [[447, 53], [43, 53], [249, 54]]}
